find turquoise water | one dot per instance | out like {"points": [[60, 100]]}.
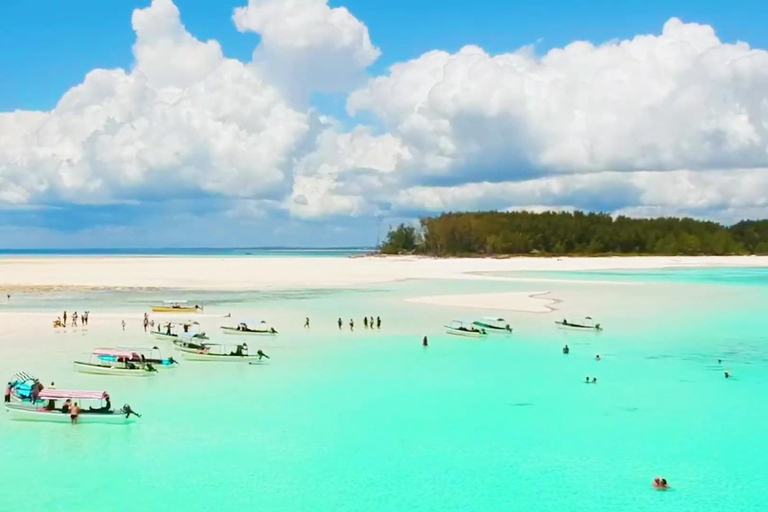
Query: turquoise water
{"points": [[372, 421]]}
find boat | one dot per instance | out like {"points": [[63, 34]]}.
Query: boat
{"points": [[151, 355], [465, 328], [170, 335], [493, 325], [46, 409], [110, 361], [588, 324], [220, 353], [177, 306], [250, 328]]}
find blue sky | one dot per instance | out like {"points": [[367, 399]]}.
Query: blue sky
{"points": [[50, 45], [386, 162]]}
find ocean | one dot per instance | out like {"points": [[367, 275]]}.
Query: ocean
{"points": [[372, 421]]}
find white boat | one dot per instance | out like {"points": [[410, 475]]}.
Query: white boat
{"points": [[221, 353], [108, 361], [249, 328], [169, 333], [493, 325], [466, 329], [46, 408], [587, 324]]}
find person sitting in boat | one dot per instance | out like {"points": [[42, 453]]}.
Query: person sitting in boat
{"points": [[202, 349], [105, 408]]}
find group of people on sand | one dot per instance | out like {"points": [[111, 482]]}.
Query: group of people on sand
{"points": [[62, 320], [368, 323]]}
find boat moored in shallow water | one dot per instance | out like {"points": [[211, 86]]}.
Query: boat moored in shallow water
{"points": [[587, 324], [169, 331], [250, 328], [493, 325], [54, 406], [177, 306], [151, 355], [220, 353], [465, 328], [111, 361]]}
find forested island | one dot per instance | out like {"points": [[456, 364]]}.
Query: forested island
{"points": [[572, 233]]}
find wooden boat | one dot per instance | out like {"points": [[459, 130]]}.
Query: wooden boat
{"points": [[151, 355], [250, 328], [177, 306], [219, 353], [584, 325], [493, 325], [45, 408], [108, 361], [466, 329], [170, 334]]}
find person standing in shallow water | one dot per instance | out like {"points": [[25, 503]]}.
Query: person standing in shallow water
{"points": [[351, 325], [306, 323], [365, 322], [340, 323], [425, 342], [74, 412], [64, 316], [378, 322]]}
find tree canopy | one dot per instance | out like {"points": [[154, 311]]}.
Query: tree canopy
{"points": [[573, 233]]}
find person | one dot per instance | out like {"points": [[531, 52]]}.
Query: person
{"points": [[52, 386], [146, 322], [67, 405], [587, 380], [566, 350], [261, 354], [123, 324], [727, 374], [186, 327], [597, 357], [64, 316], [365, 322], [8, 392], [306, 323], [34, 393], [245, 349], [84, 318], [378, 322], [660, 483], [168, 329], [425, 342], [594, 380], [74, 412], [340, 323], [719, 361], [74, 319], [351, 325], [370, 322]]}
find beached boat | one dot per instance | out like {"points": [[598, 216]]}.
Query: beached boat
{"points": [[466, 329], [151, 355], [250, 328], [220, 353], [46, 408], [109, 361], [493, 325], [588, 324], [177, 306]]}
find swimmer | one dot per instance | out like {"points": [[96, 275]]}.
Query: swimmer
{"points": [[597, 357], [566, 350], [660, 484], [594, 380], [587, 380]]}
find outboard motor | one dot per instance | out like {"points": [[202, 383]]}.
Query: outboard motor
{"points": [[128, 411]]}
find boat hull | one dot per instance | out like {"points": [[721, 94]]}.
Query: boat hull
{"points": [[97, 369], [219, 358], [494, 330], [582, 328], [234, 332], [164, 309], [465, 334], [28, 413]]}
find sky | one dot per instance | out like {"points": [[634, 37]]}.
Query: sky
{"points": [[309, 123]]}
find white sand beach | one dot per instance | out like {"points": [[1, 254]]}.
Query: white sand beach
{"points": [[234, 273]]}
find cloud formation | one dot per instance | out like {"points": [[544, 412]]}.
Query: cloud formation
{"points": [[674, 123]]}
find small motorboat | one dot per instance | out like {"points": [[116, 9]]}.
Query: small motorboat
{"points": [[493, 325], [220, 353], [466, 329], [151, 355], [588, 324], [47, 409], [177, 306], [110, 361], [250, 328]]}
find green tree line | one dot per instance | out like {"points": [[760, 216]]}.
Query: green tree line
{"points": [[572, 233]]}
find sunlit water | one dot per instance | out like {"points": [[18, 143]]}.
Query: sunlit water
{"points": [[372, 421]]}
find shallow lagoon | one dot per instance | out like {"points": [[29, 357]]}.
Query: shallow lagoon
{"points": [[372, 421]]}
